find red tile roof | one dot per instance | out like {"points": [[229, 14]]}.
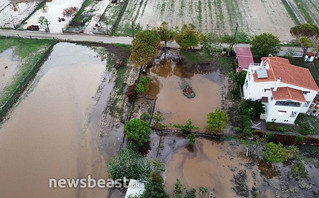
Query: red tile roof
{"points": [[310, 54], [287, 93], [244, 57], [290, 74]]}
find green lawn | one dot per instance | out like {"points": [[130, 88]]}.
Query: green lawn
{"points": [[32, 53]]}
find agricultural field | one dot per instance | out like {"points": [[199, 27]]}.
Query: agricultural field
{"points": [[309, 9], [53, 10], [252, 16], [12, 13]]}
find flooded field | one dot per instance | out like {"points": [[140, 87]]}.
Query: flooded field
{"points": [[52, 131], [208, 166], [52, 10], [171, 78], [13, 12], [9, 66], [215, 165]]}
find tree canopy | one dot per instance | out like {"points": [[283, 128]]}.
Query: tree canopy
{"points": [[144, 47], [165, 32], [138, 130], [305, 43], [188, 37], [308, 30], [217, 121], [44, 22], [265, 44]]}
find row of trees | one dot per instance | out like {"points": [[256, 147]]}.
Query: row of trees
{"points": [[145, 44]]}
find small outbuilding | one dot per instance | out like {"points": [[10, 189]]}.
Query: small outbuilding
{"points": [[244, 58], [310, 56]]}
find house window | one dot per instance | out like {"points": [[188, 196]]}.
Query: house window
{"points": [[265, 90], [305, 92], [273, 120], [246, 84], [293, 114], [307, 103], [285, 120], [282, 111], [272, 98], [248, 75], [288, 103]]}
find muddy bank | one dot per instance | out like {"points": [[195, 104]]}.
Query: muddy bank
{"points": [[9, 66], [50, 134]]}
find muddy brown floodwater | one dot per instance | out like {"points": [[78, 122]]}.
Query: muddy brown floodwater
{"points": [[208, 166], [49, 133], [177, 108]]}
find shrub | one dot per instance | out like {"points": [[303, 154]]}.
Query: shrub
{"points": [[274, 127], [154, 190], [217, 121], [145, 117], [276, 153], [269, 137], [70, 12], [130, 164], [143, 85], [191, 194], [192, 138], [306, 130], [178, 193], [298, 171], [187, 127], [299, 138], [138, 130]]}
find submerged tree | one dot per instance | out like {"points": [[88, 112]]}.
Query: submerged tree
{"points": [[217, 121], [166, 34], [138, 131], [44, 22]]}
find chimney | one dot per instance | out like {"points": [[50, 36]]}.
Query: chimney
{"points": [[277, 84]]}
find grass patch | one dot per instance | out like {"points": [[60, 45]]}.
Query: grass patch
{"points": [[220, 15], [119, 17], [200, 14], [304, 11], [181, 12], [290, 12], [163, 8], [33, 53], [79, 18]]}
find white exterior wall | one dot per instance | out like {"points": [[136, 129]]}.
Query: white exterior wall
{"points": [[256, 90], [281, 114]]}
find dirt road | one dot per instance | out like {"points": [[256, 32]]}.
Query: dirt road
{"points": [[296, 51]]}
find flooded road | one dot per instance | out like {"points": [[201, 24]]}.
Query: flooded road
{"points": [[51, 133], [171, 101], [9, 65]]}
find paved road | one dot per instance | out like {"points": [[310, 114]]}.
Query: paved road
{"points": [[296, 51]]}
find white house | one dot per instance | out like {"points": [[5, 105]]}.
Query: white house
{"points": [[285, 90]]}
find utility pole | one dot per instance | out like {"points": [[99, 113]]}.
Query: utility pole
{"points": [[133, 27], [232, 45]]}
